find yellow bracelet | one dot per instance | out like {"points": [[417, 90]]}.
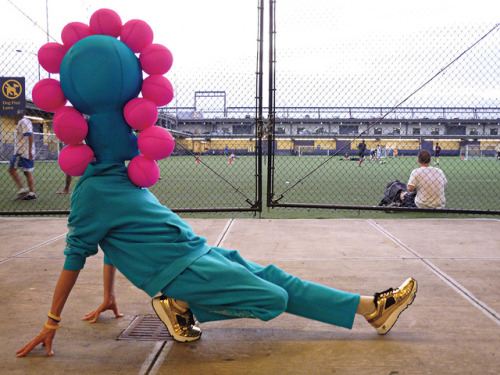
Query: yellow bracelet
{"points": [[47, 325], [54, 317]]}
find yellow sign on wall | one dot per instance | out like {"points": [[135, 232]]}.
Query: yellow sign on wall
{"points": [[12, 96]]}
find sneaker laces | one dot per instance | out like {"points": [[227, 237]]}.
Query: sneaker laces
{"points": [[390, 296], [385, 293], [185, 319]]}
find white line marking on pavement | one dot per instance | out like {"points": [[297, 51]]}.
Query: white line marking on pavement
{"points": [[33, 248], [222, 237], [155, 358], [161, 357], [455, 285]]}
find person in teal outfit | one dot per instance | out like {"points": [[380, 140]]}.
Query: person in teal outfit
{"points": [[153, 247]]}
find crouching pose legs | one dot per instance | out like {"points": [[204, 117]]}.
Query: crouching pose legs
{"points": [[222, 285]]}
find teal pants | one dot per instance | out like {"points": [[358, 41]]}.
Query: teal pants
{"points": [[222, 285]]}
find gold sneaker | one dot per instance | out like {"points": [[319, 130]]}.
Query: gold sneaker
{"points": [[180, 322], [389, 304]]}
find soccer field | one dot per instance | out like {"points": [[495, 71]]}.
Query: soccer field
{"points": [[472, 184], [216, 183]]}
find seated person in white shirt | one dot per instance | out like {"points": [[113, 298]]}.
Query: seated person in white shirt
{"points": [[428, 183]]}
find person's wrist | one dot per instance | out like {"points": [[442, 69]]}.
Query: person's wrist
{"points": [[50, 324], [54, 318]]}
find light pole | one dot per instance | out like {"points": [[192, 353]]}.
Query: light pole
{"points": [[31, 53]]}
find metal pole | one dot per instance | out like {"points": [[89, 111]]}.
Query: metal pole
{"points": [[259, 122], [47, 17], [48, 34], [271, 115]]}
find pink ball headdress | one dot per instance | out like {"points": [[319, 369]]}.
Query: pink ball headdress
{"points": [[140, 113]]}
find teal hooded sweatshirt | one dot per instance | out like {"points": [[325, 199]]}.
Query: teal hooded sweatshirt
{"points": [[144, 240]]}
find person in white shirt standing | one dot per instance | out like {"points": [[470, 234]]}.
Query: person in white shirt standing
{"points": [[23, 158], [428, 182]]}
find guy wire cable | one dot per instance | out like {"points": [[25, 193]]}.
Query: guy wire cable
{"points": [[34, 22], [237, 190]]}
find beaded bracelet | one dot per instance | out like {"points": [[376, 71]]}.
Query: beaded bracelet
{"points": [[54, 317], [47, 325]]}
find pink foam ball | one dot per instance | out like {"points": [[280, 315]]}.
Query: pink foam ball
{"points": [[48, 95], [158, 89], [51, 55], [105, 22], [156, 142], [70, 126], [60, 111], [156, 59], [140, 113], [136, 34], [73, 32], [74, 159], [143, 171]]}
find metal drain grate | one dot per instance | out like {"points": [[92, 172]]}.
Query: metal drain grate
{"points": [[146, 328]]}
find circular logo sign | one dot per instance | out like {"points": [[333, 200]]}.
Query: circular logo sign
{"points": [[12, 89]]}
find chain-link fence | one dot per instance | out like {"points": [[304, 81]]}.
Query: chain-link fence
{"points": [[213, 115], [397, 81], [296, 95]]}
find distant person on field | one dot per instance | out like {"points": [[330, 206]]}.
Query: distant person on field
{"points": [[66, 186], [379, 153], [24, 153], [428, 183], [361, 151], [437, 152]]}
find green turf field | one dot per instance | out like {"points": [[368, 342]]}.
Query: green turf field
{"points": [[214, 183], [48, 179], [472, 184]]}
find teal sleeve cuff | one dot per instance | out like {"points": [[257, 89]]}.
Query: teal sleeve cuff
{"points": [[74, 262], [108, 261]]}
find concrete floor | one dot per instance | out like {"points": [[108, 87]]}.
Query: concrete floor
{"points": [[453, 327]]}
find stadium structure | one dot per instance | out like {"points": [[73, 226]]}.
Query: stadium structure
{"points": [[312, 130]]}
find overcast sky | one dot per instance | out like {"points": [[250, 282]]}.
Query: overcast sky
{"points": [[186, 27], [190, 17], [342, 42]]}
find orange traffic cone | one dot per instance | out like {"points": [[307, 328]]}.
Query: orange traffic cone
{"points": [[230, 160], [197, 160]]}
